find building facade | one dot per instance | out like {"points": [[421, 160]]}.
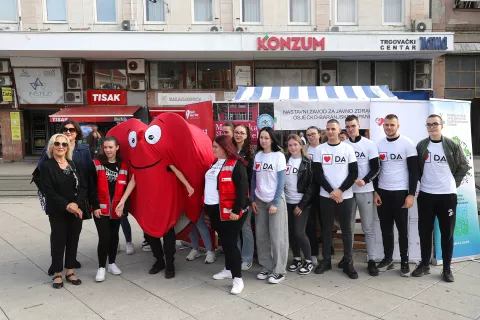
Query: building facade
{"points": [[161, 54]]}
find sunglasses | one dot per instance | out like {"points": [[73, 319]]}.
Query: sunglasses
{"points": [[63, 144], [71, 130]]}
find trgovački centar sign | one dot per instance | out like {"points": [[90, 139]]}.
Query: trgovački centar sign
{"points": [[268, 43]]}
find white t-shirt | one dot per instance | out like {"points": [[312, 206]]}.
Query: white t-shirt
{"points": [[365, 150], [335, 161], [211, 183], [311, 153], [266, 166], [291, 191], [437, 177], [393, 157]]}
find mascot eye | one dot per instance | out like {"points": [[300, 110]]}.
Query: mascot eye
{"points": [[132, 139], [153, 134]]}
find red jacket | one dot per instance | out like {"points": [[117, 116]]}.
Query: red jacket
{"points": [[107, 205], [227, 190]]}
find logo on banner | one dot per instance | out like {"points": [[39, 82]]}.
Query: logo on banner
{"points": [[191, 114], [37, 83], [290, 43], [379, 121], [264, 120]]}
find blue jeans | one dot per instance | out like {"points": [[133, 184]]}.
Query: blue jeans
{"points": [[201, 227], [247, 236], [127, 230]]}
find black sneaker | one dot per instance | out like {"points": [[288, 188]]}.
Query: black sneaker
{"points": [[157, 267], [372, 268], [276, 278], [170, 272], [350, 271], [296, 263], [385, 264], [323, 266], [421, 270], [447, 275], [342, 263], [405, 269], [306, 268]]}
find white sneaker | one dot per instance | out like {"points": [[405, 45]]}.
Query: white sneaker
{"points": [[100, 275], [113, 269], [264, 274], [146, 247], [276, 278], [246, 266], [210, 257], [314, 261], [130, 249], [237, 286], [194, 254], [224, 274]]}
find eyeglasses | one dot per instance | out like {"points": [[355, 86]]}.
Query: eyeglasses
{"points": [[63, 144], [353, 126], [240, 133], [432, 125], [312, 134], [71, 130]]}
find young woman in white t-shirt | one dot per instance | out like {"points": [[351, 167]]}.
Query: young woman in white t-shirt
{"points": [[299, 189], [268, 203]]}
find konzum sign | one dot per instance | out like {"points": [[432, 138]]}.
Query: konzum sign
{"points": [[290, 43]]}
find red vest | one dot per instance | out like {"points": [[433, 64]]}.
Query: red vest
{"points": [[108, 205], [227, 190]]}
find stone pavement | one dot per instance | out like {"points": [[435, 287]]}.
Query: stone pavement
{"points": [[26, 292]]}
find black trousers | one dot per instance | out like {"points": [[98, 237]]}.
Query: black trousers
{"points": [[228, 232], [328, 209], [391, 212], [107, 230], [296, 232], [444, 208], [66, 228], [167, 251], [311, 229]]}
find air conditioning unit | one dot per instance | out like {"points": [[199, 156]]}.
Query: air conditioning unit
{"points": [[216, 29], [334, 29], [137, 85], [136, 66], [76, 68], [328, 78], [74, 83], [5, 81], [4, 67], [73, 97], [422, 84], [129, 25], [239, 29], [424, 25]]}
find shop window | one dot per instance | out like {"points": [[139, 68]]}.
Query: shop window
{"points": [[347, 11], [395, 74], [285, 77], [106, 11], [203, 10], [9, 11], [170, 75], [462, 4], [251, 11], [355, 73], [214, 75], [56, 10], [299, 11], [110, 75], [155, 10], [462, 79], [393, 11]]}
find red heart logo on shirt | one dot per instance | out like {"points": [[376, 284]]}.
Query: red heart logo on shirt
{"points": [[428, 156], [327, 158], [382, 156], [288, 169], [257, 166]]}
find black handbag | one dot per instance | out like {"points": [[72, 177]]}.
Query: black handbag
{"points": [[85, 207]]}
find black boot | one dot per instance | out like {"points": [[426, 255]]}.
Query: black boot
{"points": [[447, 275], [158, 266], [170, 272]]}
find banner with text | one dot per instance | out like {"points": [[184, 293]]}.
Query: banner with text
{"points": [[39, 85], [456, 117], [412, 127], [299, 115], [252, 125], [201, 115]]}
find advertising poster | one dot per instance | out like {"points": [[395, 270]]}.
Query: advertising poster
{"points": [[15, 126], [201, 115], [39, 85]]}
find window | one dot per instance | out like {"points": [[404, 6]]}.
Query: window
{"points": [[9, 10], [251, 11], [106, 11], [110, 75], [169, 75], [285, 77], [155, 10], [56, 10], [392, 73], [299, 11], [346, 11], [354, 73], [202, 10], [462, 77], [393, 11], [461, 4], [214, 75]]}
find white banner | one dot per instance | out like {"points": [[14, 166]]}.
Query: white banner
{"points": [[181, 99], [39, 85], [299, 115], [412, 117]]}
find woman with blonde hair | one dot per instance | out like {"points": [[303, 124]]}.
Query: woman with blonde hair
{"points": [[65, 193]]}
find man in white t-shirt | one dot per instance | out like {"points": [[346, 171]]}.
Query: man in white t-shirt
{"points": [[395, 191], [443, 166], [368, 169], [335, 170]]}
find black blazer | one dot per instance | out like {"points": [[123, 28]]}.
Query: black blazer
{"points": [[60, 189], [306, 184]]}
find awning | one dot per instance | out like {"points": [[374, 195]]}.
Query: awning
{"points": [[94, 113], [270, 94], [157, 111]]}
